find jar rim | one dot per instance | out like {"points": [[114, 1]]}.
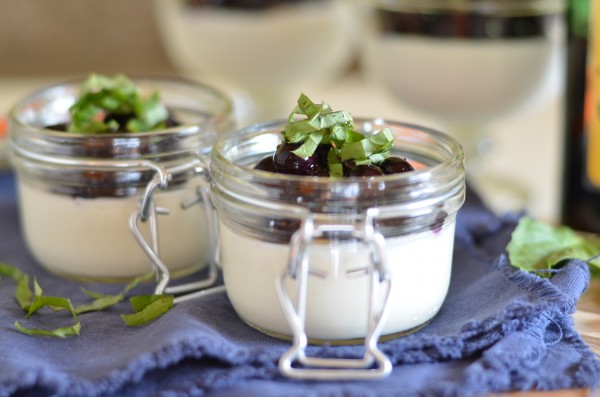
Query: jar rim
{"points": [[454, 147], [445, 176], [28, 133]]}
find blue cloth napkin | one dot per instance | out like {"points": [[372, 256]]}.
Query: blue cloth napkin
{"points": [[499, 330]]}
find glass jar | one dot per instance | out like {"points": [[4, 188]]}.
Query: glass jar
{"points": [[77, 191], [327, 254]]}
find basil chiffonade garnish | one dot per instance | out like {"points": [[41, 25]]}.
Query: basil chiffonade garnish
{"points": [[319, 124]]}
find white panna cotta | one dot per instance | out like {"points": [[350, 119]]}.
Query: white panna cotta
{"points": [[337, 305], [90, 237]]}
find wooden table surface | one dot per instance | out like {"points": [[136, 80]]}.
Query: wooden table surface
{"points": [[587, 317]]}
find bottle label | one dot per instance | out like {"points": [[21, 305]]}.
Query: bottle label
{"points": [[592, 100]]}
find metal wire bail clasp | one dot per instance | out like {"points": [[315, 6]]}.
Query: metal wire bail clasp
{"points": [[374, 364], [147, 212]]}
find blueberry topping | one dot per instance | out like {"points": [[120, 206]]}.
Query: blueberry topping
{"points": [[395, 165], [365, 170], [120, 118], [286, 162], [266, 164], [326, 143]]}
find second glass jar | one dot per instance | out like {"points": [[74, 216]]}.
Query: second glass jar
{"points": [[77, 191]]}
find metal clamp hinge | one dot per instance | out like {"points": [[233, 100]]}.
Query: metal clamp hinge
{"points": [[374, 364], [147, 212]]}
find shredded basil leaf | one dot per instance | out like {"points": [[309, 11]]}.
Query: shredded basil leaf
{"points": [[336, 169], [319, 125], [308, 108], [140, 279], [378, 143], [310, 144], [31, 301], [147, 308], [56, 304], [59, 332], [118, 95], [102, 301], [23, 292], [322, 125]]}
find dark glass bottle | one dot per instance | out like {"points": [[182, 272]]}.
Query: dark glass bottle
{"points": [[581, 171]]}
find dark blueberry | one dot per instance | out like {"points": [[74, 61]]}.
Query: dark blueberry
{"points": [[250, 5], [365, 170], [465, 25], [399, 222], [347, 166], [121, 118], [266, 164], [319, 160], [395, 165], [317, 170], [58, 127], [440, 217], [287, 162], [170, 122], [288, 226], [321, 153]]}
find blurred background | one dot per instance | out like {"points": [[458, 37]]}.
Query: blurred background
{"points": [[319, 48], [62, 37]]}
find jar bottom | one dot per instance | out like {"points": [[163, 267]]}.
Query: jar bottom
{"points": [[339, 342], [177, 274]]}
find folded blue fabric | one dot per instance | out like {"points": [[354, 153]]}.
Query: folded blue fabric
{"points": [[499, 330]]}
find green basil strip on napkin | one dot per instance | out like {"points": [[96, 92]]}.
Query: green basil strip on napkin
{"points": [[536, 246], [148, 308]]}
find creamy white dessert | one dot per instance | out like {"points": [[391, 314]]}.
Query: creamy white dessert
{"points": [[337, 306], [271, 54], [473, 80], [290, 42], [90, 237]]}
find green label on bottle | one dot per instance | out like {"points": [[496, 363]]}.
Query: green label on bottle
{"points": [[579, 15]]}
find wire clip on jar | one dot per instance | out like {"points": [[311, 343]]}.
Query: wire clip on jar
{"points": [[374, 364], [148, 212]]}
